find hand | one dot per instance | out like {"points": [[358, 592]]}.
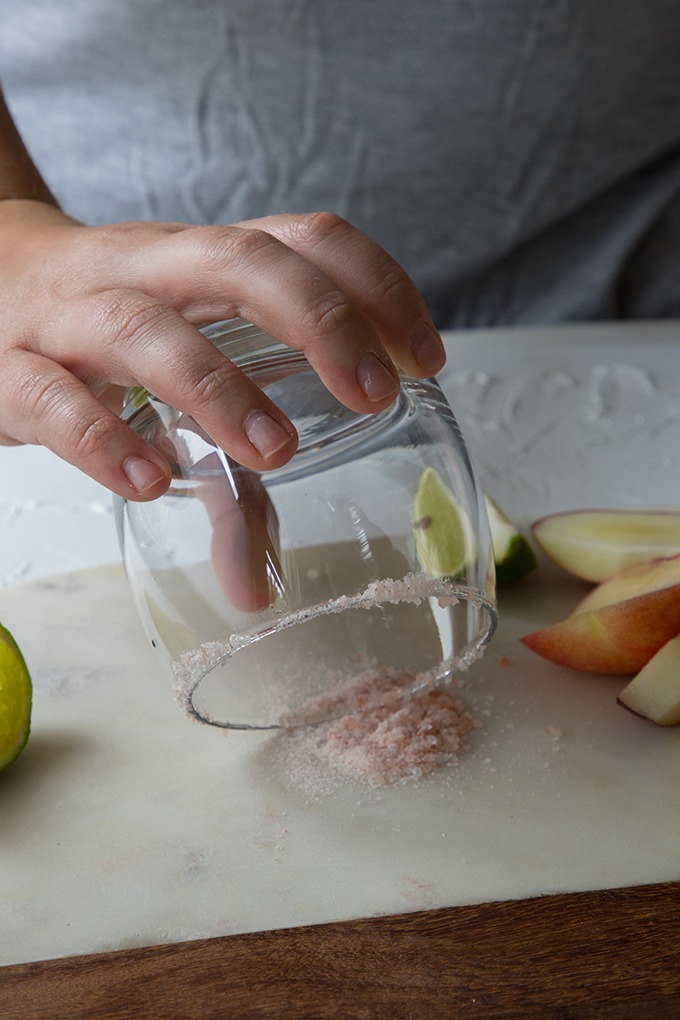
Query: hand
{"points": [[87, 311]]}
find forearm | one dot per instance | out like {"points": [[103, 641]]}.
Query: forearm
{"points": [[19, 177]]}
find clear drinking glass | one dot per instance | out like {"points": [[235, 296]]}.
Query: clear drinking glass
{"points": [[276, 596]]}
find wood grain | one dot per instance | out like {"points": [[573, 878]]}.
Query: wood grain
{"points": [[613, 954]]}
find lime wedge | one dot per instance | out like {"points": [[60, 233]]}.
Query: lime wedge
{"points": [[513, 555], [441, 537], [16, 693]]}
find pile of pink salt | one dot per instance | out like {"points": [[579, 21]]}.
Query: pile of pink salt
{"points": [[394, 728]]}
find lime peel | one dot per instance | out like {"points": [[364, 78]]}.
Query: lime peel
{"points": [[513, 555], [445, 540], [16, 697]]}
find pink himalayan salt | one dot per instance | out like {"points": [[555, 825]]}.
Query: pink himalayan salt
{"points": [[396, 728]]}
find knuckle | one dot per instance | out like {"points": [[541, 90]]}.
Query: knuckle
{"points": [[329, 313], [384, 276], [114, 234], [394, 285], [211, 386], [48, 401], [41, 396], [126, 319], [89, 439], [220, 248], [317, 227]]}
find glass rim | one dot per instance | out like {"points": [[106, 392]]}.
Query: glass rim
{"points": [[213, 654]]}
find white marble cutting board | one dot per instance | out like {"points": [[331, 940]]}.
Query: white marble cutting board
{"points": [[125, 824]]}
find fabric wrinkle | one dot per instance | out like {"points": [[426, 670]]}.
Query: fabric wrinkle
{"points": [[514, 158]]}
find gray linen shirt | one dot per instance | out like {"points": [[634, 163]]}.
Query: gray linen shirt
{"points": [[521, 158]]}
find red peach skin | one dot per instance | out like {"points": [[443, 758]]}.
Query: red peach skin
{"points": [[618, 639]]}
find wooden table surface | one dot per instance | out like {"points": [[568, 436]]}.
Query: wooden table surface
{"points": [[611, 954]]}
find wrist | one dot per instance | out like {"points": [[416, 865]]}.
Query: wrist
{"points": [[25, 227], [27, 211]]}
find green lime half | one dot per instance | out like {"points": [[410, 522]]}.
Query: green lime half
{"points": [[512, 553], [441, 536], [16, 694]]}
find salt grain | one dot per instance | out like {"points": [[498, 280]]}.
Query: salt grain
{"points": [[395, 728]]}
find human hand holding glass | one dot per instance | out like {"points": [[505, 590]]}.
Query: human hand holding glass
{"points": [[265, 589], [90, 311]]}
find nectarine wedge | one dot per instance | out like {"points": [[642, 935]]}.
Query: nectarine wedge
{"points": [[619, 626], [596, 544], [640, 579], [655, 692]]}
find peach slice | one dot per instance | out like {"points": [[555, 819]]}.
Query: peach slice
{"points": [[639, 579], [595, 544], [620, 625], [655, 692]]}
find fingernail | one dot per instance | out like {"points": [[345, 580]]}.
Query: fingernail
{"points": [[375, 379], [428, 349], [143, 474], [265, 434]]}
